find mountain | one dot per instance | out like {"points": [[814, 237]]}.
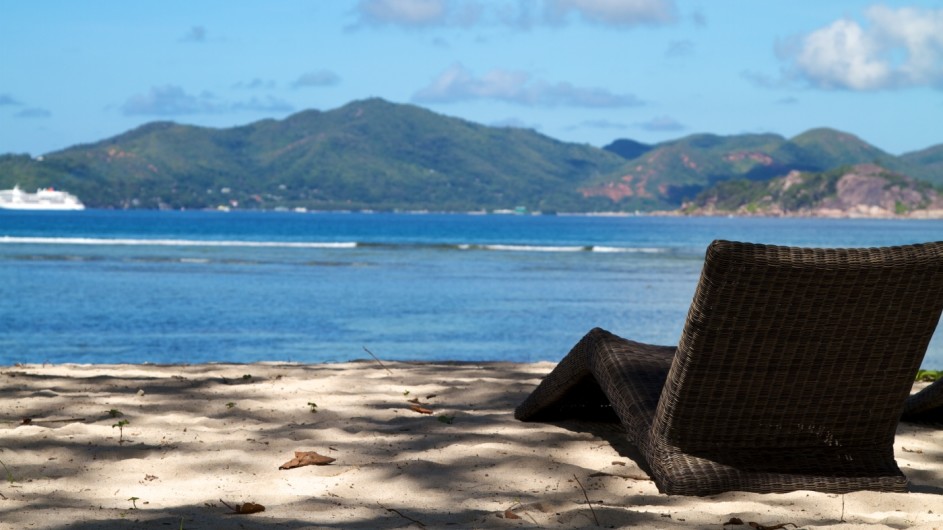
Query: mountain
{"points": [[671, 171], [674, 171], [863, 190], [368, 154], [373, 154], [926, 164], [627, 148]]}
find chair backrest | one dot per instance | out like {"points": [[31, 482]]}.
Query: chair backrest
{"points": [[799, 347]]}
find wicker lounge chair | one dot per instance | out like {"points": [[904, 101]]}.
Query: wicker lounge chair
{"points": [[791, 372], [925, 406]]}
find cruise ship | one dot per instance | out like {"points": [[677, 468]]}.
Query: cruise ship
{"points": [[43, 199]]}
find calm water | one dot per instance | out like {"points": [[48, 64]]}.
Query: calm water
{"points": [[163, 287]]}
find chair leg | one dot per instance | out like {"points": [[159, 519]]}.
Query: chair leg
{"points": [[570, 390]]}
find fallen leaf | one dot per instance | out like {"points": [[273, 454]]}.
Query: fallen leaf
{"points": [[734, 520], [508, 514], [249, 507], [244, 509], [413, 400], [420, 409], [307, 458]]}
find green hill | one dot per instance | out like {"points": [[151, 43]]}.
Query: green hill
{"points": [[861, 190], [926, 164], [678, 170], [373, 154], [368, 154]]}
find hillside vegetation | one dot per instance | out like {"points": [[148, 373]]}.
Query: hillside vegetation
{"points": [[864, 190], [373, 154]]}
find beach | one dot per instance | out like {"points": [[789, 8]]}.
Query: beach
{"points": [[414, 445]]}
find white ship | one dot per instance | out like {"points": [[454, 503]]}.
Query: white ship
{"points": [[43, 199]]}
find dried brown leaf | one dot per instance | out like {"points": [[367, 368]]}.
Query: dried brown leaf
{"points": [[244, 509], [508, 514], [307, 458], [249, 507], [420, 409]]}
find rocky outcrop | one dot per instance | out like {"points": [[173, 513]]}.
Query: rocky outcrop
{"points": [[864, 190]]}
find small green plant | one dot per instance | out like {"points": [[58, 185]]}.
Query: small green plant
{"points": [[134, 500], [405, 392], [313, 405], [246, 377], [114, 413], [120, 425], [929, 375], [445, 418], [9, 473], [230, 405]]}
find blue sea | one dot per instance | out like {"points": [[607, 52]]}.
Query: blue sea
{"points": [[189, 287]]}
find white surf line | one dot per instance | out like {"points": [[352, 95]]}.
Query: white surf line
{"points": [[171, 242]]}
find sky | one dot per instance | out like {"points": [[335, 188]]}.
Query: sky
{"points": [[584, 71]]}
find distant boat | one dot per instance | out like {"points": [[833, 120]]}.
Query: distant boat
{"points": [[43, 199]]}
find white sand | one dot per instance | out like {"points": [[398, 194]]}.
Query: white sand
{"points": [[198, 435]]}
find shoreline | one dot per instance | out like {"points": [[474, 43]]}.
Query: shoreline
{"points": [[200, 436], [818, 214]]}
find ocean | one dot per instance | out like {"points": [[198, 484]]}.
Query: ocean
{"points": [[190, 287]]}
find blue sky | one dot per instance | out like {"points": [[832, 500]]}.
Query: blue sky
{"points": [[587, 71]]}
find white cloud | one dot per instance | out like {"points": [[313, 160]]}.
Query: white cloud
{"points": [[680, 48], [196, 34], [763, 80], [458, 84], [514, 123], [33, 112], [662, 124], [895, 48], [7, 99], [255, 84], [599, 124], [318, 78], [415, 13], [170, 100], [615, 12], [519, 14], [267, 104]]}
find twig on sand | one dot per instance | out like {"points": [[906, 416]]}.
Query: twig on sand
{"points": [[32, 421], [401, 514], [377, 359], [587, 500]]}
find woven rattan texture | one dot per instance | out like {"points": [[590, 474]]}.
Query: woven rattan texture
{"points": [[791, 372]]}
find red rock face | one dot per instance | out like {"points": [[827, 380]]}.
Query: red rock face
{"points": [[760, 158], [630, 186]]}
